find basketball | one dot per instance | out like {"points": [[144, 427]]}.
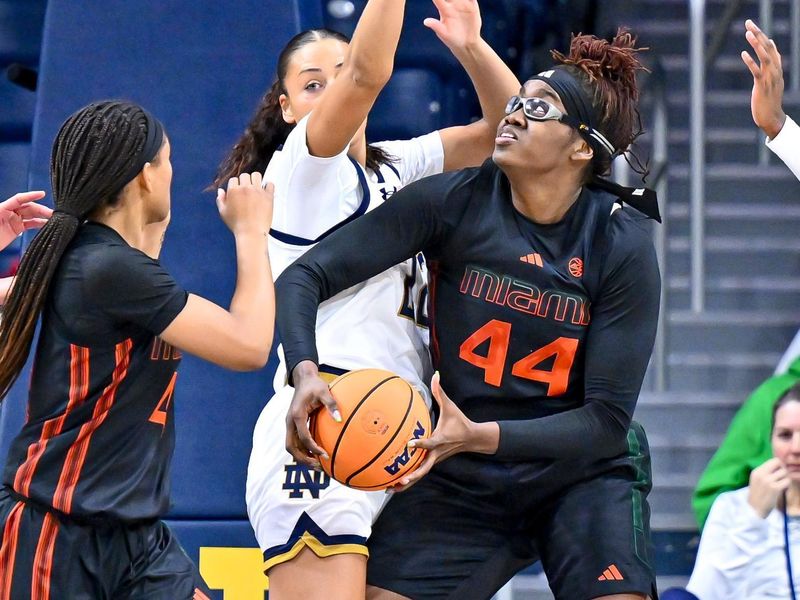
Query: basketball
{"points": [[380, 413]]}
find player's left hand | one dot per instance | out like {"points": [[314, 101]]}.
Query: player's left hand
{"points": [[767, 97], [451, 436], [21, 212], [459, 23]]}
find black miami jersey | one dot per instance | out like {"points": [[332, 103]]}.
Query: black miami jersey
{"points": [[99, 433], [547, 329]]}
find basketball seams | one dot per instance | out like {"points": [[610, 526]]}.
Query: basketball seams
{"points": [[339, 379], [350, 420], [391, 440]]}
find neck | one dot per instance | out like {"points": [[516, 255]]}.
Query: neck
{"points": [[545, 198], [129, 223]]}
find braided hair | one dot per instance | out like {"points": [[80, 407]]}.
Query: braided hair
{"points": [[92, 159], [267, 131]]}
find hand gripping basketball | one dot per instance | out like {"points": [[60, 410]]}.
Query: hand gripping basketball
{"points": [[452, 435], [310, 392]]}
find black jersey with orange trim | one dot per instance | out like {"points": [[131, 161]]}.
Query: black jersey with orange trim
{"points": [[99, 434], [547, 329]]}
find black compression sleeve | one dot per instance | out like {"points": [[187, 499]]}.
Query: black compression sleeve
{"points": [[382, 238], [618, 346]]}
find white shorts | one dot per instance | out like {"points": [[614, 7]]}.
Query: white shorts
{"points": [[291, 506]]}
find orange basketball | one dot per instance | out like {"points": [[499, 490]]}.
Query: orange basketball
{"points": [[380, 412]]}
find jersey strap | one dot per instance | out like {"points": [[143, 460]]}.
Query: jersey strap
{"points": [[294, 240]]}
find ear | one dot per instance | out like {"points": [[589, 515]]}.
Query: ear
{"points": [[286, 109], [581, 150], [145, 178]]}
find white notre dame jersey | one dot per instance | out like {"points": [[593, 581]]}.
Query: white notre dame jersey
{"points": [[380, 323]]}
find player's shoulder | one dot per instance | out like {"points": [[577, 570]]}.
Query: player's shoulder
{"points": [[449, 186], [103, 257], [628, 233], [627, 228]]}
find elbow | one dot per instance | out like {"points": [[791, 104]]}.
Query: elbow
{"points": [[370, 77], [252, 356]]}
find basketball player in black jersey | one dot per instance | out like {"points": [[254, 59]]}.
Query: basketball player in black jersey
{"points": [[87, 478], [544, 298]]}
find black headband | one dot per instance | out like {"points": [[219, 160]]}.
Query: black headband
{"points": [[580, 111], [582, 116], [152, 144]]}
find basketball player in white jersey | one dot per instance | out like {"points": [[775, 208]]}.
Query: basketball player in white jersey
{"points": [[310, 131]]}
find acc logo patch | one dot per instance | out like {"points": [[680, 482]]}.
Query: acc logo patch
{"points": [[575, 267]]}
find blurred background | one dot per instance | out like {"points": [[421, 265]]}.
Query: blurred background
{"points": [[729, 249]]}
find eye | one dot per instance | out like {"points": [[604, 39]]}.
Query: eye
{"points": [[313, 86]]}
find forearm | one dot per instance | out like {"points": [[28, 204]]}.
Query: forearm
{"points": [[494, 82], [5, 288], [336, 264], [370, 59], [591, 430], [253, 300]]}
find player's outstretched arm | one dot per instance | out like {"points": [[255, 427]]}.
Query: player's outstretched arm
{"points": [[367, 67], [767, 98], [336, 264], [458, 27], [240, 337]]}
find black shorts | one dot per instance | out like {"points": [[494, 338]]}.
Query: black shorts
{"points": [[48, 556], [466, 528]]}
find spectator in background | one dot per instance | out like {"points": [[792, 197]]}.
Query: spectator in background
{"points": [[18, 213], [753, 534], [746, 444]]}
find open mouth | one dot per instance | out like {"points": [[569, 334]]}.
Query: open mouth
{"points": [[505, 136]]}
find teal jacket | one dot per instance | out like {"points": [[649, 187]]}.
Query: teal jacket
{"points": [[746, 445]]}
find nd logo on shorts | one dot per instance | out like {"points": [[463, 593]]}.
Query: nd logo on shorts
{"points": [[301, 479]]}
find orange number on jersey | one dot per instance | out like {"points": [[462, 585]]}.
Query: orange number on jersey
{"points": [[556, 378], [499, 335], [159, 415]]}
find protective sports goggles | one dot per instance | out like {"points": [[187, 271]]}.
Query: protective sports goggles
{"points": [[537, 109]]}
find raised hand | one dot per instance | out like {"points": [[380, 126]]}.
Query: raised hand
{"points": [[767, 98], [458, 25], [246, 206], [21, 212], [767, 483]]}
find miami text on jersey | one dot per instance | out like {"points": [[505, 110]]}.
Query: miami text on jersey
{"points": [[522, 296]]}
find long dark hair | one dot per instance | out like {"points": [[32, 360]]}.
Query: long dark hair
{"points": [[607, 70], [90, 164], [267, 130]]}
